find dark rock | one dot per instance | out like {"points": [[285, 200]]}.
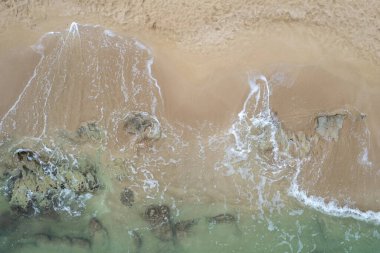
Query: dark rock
{"points": [[46, 180], [127, 197], [12, 177], [158, 217], [90, 132], [24, 155], [161, 225], [143, 125], [222, 218], [95, 226], [79, 242], [98, 235], [164, 231], [157, 214], [183, 228]]}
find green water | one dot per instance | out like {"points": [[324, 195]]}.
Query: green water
{"points": [[290, 230]]}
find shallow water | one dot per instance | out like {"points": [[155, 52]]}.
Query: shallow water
{"points": [[275, 182]]}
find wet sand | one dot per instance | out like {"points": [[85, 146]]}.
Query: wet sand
{"points": [[211, 88]]}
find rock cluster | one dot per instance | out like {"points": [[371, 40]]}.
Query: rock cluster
{"points": [[45, 179], [95, 238], [162, 226], [158, 217]]}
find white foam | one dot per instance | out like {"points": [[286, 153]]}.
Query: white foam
{"points": [[297, 212], [256, 124], [109, 33], [155, 83], [74, 28], [70, 202], [363, 158], [332, 207]]}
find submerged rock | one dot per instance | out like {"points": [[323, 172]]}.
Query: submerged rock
{"points": [[46, 239], [95, 226], [44, 180], [137, 239], [156, 214], [98, 235], [183, 228], [222, 218], [127, 197], [158, 217], [8, 222], [90, 132], [328, 126], [161, 225], [144, 126]]}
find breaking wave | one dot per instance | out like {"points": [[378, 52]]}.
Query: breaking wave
{"points": [[263, 152]]}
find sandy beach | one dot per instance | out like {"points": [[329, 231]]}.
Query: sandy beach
{"points": [[256, 100]]}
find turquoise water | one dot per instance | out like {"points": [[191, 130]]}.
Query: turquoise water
{"points": [[306, 232]]}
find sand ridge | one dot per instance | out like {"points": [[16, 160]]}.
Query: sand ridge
{"points": [[198, 24]]}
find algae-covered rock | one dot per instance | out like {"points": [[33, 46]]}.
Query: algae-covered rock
{"points": [[162, 226], [158, 217], [127, 197], [183, 228], [98, 235], [38, 179], [43, 239], [87, 133], [90, 131], [143, 126]]}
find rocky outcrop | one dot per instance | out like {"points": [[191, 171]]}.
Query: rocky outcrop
{"points": [[183, 228], [40, 179], [143, 126]]}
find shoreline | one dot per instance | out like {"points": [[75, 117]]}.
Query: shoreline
{"points": [[321, 73]]}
